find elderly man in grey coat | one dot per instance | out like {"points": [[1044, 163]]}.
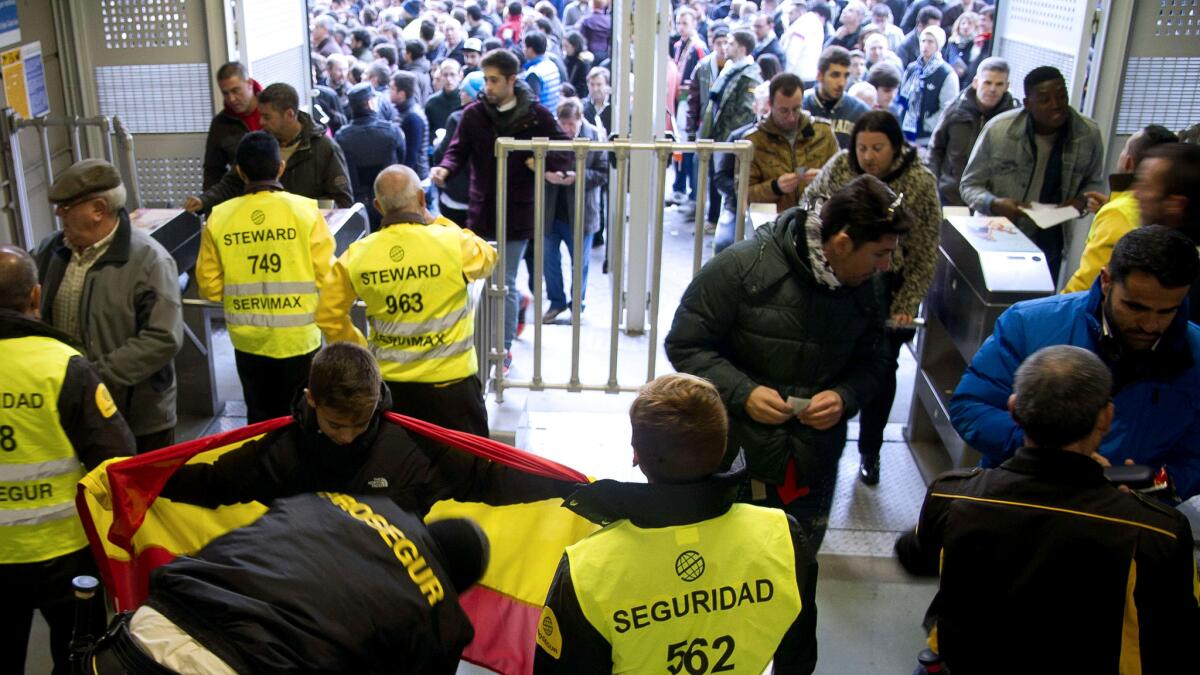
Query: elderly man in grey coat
{"points": [[560, 211], [115, 290]]}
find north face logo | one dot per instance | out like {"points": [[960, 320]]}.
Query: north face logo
{"points": [[378, 482]]}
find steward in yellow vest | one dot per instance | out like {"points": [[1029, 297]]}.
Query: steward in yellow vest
{"points": [[414, 276], [681, 579], [265, 255], [57, 420]]}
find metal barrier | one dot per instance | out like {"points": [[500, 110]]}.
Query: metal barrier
{"points": [[623, 151], [11, 125]]}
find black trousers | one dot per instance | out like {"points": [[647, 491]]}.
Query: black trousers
{"points": [[456, 405], [810, 511], [269, 385], [1051, 241], [873, 415], [156, 440], [457, 216], [46, 587]]}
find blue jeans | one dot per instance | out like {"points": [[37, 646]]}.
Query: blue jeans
{"points": [[685, 173], [514, 250], [560, 232]]}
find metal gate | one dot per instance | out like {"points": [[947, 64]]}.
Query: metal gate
{"points": [[623, 151]]}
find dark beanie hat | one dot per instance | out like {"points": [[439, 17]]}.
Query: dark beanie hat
{"points": [[464, 550]]}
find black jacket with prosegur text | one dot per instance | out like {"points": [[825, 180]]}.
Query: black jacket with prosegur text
{"points": [[310, 588]]}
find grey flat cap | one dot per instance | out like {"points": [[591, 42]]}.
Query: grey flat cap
{"points": [[84, 178]]}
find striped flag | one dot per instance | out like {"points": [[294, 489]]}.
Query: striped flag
{"points": [[131, 532]]}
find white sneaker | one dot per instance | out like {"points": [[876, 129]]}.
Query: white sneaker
{"points": [[677, 198]]}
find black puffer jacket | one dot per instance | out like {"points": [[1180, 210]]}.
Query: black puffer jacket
{"points": [[755, 315], [955, 137]]}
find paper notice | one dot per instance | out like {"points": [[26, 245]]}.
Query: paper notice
{"points": [[1047, 215]]}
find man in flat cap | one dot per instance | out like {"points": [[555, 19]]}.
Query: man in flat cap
{"points": [[115, 291]]}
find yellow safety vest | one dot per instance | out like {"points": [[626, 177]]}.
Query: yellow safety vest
{"points": [[38, 465], [270, 293], [708, 597], [418, 307]]}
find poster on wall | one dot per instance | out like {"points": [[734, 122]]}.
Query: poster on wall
{"points": [[25, 80], [10, 25]]}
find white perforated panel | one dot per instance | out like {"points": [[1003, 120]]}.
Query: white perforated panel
{"points": [[1159, 90], [155, 99], [137, 24], [168, 181], [282, 67], [1023, 57], [1043, 19], [1178, 18]]}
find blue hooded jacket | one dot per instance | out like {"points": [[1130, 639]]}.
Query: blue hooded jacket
{"points": [[1157, 420]]}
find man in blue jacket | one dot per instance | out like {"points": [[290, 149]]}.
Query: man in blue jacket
{"points": [[1135, 318]]}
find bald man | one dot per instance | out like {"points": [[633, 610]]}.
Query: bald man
{"points": [[56, 418], [414, 275]]}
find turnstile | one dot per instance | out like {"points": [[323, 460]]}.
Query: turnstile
{"points": [[984, 266]]}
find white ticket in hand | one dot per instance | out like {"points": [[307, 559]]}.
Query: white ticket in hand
{"points": [[1047, 215], [799, 404]]}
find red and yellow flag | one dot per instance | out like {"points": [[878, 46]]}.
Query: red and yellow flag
{"points": [[131, 532]]}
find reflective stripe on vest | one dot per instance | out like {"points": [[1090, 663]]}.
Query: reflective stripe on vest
{"points": [[270, 293], [38, 465], [691, 593], [418, 308]]}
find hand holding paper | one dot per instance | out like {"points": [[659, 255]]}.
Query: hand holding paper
{"points": [[1047, 215]]}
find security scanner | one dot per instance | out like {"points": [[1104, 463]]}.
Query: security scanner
{"points": [[984, 265], [195, 367]]}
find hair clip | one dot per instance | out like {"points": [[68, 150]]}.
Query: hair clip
{"points": [[895, 205]]}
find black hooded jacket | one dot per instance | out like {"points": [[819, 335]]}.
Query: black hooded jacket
{"points": [[414, 472]]}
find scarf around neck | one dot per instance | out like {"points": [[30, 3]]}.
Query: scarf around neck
{"points": [[912, 90], [822, 271]]}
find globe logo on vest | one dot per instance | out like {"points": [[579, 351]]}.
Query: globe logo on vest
{"points": [[258, 217], [396, 253], [689, 565]]}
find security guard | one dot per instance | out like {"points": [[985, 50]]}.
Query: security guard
{"points": [[266, 254], [54, 412], [1096, 580], [667, 584], [414, 274], [322, 583]]}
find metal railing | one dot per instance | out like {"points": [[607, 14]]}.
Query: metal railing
{"points": [[622, 150], [122, 156]]}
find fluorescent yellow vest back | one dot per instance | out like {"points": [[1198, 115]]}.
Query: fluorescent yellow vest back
{"points": [[709, 597], [38, 465], [270, 292], [418, 306]]}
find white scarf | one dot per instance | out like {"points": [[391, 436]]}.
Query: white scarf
{"points": [[822, 271]]}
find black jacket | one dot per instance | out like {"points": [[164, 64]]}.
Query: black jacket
{"points": [[413, 472], [1044, 543], [220, 148], [952, 142], [310, 588], [584, 649], [755, 315], [316, 170], [94, 437], [438, 109]]}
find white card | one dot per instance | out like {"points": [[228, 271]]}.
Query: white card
{"points": [[799, 404]]}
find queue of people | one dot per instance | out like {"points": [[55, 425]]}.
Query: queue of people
{"points": [[778, 342]]}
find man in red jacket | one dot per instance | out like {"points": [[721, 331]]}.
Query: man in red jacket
{"points": [[508, 108]]}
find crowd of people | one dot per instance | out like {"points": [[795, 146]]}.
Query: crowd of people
{"points": [[866, 119]]}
